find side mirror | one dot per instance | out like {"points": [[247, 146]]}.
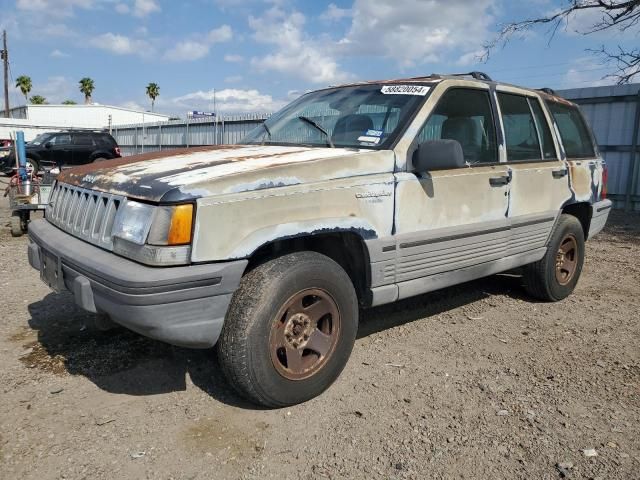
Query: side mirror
{"points": [[48, 145], [438, 155]]}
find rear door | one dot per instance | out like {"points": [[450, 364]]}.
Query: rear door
{"points": [[539, 184], [83, 147], [453, 220], [57, 150]]}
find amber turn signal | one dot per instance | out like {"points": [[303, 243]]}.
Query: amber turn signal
{"points": [[181, 223]]}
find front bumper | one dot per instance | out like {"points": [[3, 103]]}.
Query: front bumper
{"points": [[183, 306]]}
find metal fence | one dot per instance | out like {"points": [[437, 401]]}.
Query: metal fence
{"points": [[612, 111], [614, 114], [152, 137]]}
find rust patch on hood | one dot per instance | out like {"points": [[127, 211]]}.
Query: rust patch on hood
{"points": [[68, 175]]}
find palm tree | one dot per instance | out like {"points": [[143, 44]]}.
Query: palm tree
{"points": [[69, 102], [153, 91], [38, 100], [23, 82], [87, 87]]}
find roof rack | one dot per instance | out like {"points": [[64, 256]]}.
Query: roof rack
{"points": [[550, 91], [477, 75]]}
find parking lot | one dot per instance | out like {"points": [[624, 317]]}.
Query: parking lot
{"points": [[476, 381]]}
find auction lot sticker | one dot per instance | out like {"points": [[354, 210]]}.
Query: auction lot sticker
{"points": [[420, 90]]}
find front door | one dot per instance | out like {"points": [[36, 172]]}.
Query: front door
{"points": [[451, 224], [58, 149]]}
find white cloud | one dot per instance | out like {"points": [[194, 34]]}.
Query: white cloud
{"points": [[231, 58], [132, 105], [416, 31], [229, 100], [585, 72], [58, 54], [333, 13], [56, 89], [220, 34], [54, 8], [121, 45], [187, 50], [142, 8], [190, 50], [295, 53], [122, 8]]}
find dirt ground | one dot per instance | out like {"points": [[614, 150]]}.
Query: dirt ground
{"points": [[476, 381]]}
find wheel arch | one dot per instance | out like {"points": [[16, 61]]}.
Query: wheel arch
{"points": [[346, 247], [583, 211]]}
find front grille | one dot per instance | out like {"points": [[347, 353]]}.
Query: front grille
{"points": [[86, 214]]}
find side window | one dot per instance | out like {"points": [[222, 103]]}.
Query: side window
{"points": [[464, 115], [548, 149], [573, 130], [81, 139], [519, 128], [62, 139]]}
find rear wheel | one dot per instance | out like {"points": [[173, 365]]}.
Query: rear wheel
{"points": [[290, 329], [555, 276]]}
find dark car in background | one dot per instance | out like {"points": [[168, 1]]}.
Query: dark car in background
{"points": [[60, 149]]}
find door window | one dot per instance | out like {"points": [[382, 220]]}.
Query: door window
{"points": [[520, 128], [573, 130], [62, 139], [548, 149], [464, 115], [82, 140]]}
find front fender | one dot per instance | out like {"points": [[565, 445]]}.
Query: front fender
{"points": [[235, 226]]}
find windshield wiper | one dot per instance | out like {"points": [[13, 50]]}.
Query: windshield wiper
{"points": [[320, 128], [266, 132]]}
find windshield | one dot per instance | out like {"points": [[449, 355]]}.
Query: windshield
{"points": [[363, 116], [40, 139]]}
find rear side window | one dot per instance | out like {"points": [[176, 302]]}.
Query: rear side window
{"points": [[104, 140], [464, 115], [80, 139], [573, 130], [520, 128]]}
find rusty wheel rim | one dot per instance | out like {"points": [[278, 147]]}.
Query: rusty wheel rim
{"points": [[567, 259], [304, 334]]}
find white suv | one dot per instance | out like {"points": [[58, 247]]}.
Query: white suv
{"points": [[351, 196]]}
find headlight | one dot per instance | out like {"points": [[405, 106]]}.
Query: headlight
{"points": [[154, 235], [4, 153]]}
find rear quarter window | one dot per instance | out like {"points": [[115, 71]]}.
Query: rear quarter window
{"points": [[573, 130]]}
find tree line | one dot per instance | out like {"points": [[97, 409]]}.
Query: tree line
{"points": [[86, 86]]}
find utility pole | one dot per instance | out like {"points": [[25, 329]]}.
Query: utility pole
{"points": [[5, 60]]}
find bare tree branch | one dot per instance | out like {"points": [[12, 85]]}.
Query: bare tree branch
{"points": [[621, 15]]}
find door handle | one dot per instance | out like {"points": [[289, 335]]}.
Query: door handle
{"points": [[560, 173], [499, 181]]}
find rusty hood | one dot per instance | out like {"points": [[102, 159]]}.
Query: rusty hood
{"points": [[185, 174]]}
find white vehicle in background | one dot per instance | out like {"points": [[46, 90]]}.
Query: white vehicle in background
{"points": [[351, 196]]}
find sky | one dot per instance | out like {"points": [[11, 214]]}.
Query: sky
{"points": [[258, 55]]}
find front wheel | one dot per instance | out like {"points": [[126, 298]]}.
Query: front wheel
{"points": [[555, 276], [289, 330]]}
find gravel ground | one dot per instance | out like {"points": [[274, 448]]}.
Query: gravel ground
{"points": [[476, 381]]}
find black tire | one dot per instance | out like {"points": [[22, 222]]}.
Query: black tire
{"points": [[543, 279], [245, 346], [16, 225], [99, 159], [35, 164]]}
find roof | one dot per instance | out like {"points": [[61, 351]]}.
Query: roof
{"points": [[476, 76]]}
